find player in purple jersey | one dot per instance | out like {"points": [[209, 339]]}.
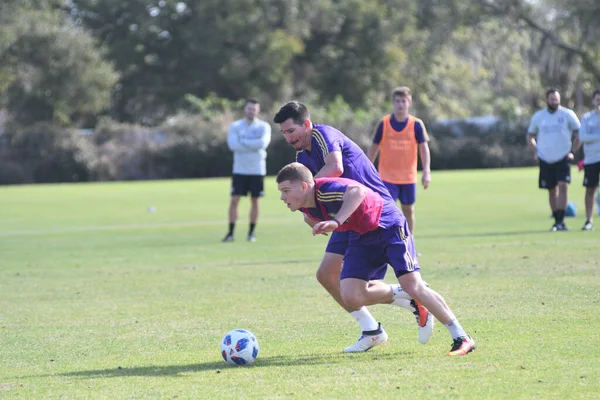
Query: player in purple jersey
{"points": [[327, 152], [378, 235]]}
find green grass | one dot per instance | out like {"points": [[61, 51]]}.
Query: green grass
{"points": [[100, 298]]}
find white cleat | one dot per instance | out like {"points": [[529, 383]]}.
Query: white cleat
{"points": [[426, 331], [368, 340], [424, 321]]}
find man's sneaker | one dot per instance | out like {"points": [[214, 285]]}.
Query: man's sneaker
{"points": [[251, 237], [424, 321], [588, 226], [462, 346], [228, 238], [368, 340], [559, 227]]}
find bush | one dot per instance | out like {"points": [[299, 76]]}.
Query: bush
{"points": [[47, 153]]}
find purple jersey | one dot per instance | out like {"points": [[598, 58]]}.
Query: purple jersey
{"points": [[357, 166], [373, 213]]}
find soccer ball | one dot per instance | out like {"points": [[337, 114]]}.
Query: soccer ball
{"points": [[239, 347]]}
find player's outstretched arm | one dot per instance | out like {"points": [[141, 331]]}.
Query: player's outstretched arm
{"points": [[353, 198]]}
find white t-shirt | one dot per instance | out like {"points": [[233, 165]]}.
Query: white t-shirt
{"points": [[589, 134], [554, 132]]}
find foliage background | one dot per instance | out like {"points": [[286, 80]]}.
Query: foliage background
{"points": [[155, 84]]}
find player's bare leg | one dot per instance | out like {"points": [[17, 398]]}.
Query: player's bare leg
{"points": [[328, 276], [409, 213], [413, 285], [553, 198], [254, 211], [233, 214], [589, 209]]}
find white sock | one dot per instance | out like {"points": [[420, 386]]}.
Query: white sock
{"points": [[365, 319], [455, 329], [404, 304], [398, 293]]}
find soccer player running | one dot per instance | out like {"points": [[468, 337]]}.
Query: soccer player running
{"points": [[327, 152], [552, 135], [378, 235], [248, 138], [589, 136], [399, 140]]}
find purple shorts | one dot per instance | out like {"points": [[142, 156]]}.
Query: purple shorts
{"points": [[369, 253], [407, 194], [338, 244]]}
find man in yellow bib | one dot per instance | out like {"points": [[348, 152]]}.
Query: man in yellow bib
{"points": [[399, 141]]}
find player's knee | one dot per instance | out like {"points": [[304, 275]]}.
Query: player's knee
{"points": [[328, 276], [414, 289], [353, 300]]}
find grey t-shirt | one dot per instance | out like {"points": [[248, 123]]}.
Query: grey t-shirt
{"points": [[589, 134], [554, 132]]}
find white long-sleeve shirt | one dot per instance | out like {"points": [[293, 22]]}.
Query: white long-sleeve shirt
{"points": [[554, 132], [249, 144], [589, 135]]}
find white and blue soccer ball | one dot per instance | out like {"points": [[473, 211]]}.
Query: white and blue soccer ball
{"points": [[239, 347]]}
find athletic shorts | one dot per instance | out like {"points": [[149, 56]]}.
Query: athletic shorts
{"points": [[592, 175], [406, 193], [371, 252], [242, 184], [552, 173], [338, 244]]}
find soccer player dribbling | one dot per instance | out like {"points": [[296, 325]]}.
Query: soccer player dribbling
{"points": [[327, 152], [378, 235]]}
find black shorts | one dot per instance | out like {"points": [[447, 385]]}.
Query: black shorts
{"points": [[242, 184], [592, 175], [552, 173]]}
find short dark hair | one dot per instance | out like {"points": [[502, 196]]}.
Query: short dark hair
{"points": [[550, 91], [294, 110], [295, 172], [596, 93], [402, 91], [251, 100]]}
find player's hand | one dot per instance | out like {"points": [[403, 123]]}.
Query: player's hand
{"points": [[426, 179], [570, 156], [321, 228]]}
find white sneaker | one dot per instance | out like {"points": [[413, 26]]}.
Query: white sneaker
{"points": [[368, 340], [426, 331], [424, 321]]}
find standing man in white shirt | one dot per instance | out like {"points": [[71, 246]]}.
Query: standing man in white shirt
{"points": [[589, 135], [552, 136], [248, 138]]}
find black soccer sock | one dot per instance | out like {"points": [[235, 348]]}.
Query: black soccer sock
{"points": [[231, 228], [555, 215], [252, 226], [561, 216]]}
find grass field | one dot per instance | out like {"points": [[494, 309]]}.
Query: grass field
{"points": [[101, 299]]}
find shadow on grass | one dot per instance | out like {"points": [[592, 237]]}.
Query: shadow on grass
{"points": [[222, 367], [482, 234]]}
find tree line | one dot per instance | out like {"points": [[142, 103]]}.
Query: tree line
{"points": [[71, 64]]}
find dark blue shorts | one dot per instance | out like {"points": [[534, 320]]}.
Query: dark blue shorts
{"points": [[370, 253], [407, 194], [338, 244]]}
